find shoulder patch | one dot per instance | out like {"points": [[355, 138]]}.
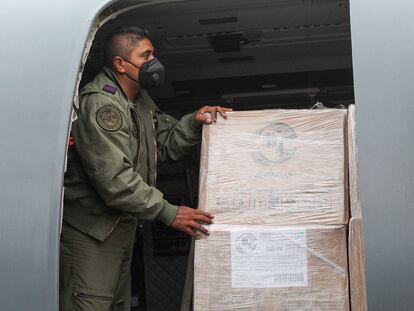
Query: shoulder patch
{"points": [[109, 88], [109, 118]]}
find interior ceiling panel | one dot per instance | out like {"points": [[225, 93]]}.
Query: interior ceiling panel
{"points": [[211, 39], [245, 15], [180, 28]]}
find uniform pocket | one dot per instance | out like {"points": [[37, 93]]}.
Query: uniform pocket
{"points": [[92, 301], [94, 204]]}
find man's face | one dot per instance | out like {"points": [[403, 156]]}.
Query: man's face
{"points": [[140, 55]]}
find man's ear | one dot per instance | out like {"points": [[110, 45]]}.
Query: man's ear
{"points": [[118, 64]]}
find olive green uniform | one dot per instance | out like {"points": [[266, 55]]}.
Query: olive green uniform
{"points": [[109, 183]]}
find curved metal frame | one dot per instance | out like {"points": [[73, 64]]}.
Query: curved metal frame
{"points": [[43, 59], [44, 46]]}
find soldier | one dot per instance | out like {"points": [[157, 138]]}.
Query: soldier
{"points": [[118, 136]]}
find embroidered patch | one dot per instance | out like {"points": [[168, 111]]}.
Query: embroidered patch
{"points": [[109, 88], [109, 118]]}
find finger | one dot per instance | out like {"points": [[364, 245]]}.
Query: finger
{"points": [[222, 112], [204, 109], [208, 118], [213, 112], [204, 219], [191, 233], [228, 109], [204, 213], [199, 227], [203, 118], [205, 114]]}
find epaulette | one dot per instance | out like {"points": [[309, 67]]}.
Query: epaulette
{"points": [[109, 88]]}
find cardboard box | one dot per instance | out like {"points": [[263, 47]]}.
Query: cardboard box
{"points": [[356, 251], [271, 269], [354, 195], [357, 265], [276, 167]]}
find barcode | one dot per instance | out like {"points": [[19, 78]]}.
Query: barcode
{"points": [[289, 277]]}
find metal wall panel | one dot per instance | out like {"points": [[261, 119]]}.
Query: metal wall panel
{"points": [[41, 47], [383, 52]]}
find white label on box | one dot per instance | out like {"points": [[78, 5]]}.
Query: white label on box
{"points": [[269, 258]]}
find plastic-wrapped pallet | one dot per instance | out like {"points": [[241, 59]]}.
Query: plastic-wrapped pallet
{"points": [[277, 183], [258, 267], [276, 167], [356, 251]]}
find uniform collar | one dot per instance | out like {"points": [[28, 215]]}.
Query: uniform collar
{"points": [[111, 76], [142, 96]]}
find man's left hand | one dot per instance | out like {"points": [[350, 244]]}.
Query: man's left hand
{"points": [[208, 114]]}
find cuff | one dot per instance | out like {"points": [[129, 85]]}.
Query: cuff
{"points": [[193, 123], [168, 213]]}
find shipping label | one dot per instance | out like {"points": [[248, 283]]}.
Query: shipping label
{"points": [[269, 258]]}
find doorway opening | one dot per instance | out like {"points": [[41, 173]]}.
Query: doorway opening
{"points": [[247, 55]]}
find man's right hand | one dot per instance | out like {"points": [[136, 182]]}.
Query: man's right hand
{"points": [[187, 220]]}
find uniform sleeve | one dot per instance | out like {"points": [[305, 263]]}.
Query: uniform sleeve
{"points": [[101, 136], [176, 139]]}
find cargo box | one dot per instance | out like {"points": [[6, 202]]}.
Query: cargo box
{"points": [[279, 167], [269, 268]]}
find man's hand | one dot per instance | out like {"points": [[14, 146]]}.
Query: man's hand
{"points": [[208, 114], [187, 220]]}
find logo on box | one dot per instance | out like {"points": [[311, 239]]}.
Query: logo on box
{"points": [[246, 243], [275, 143]]}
